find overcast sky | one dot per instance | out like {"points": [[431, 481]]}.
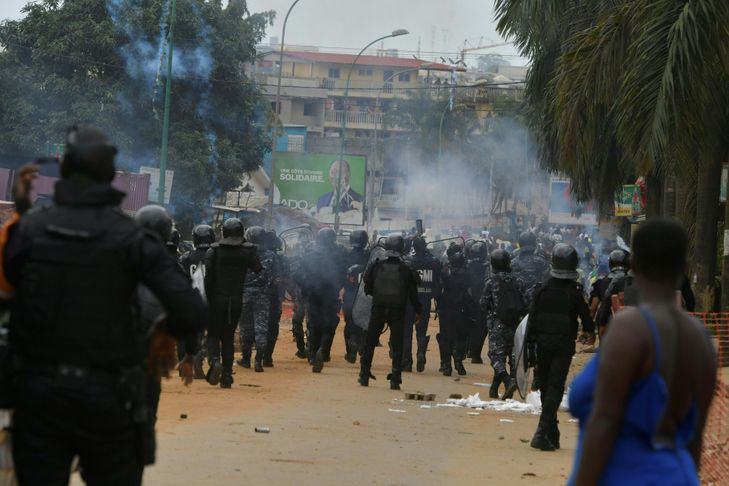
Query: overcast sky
{"points": [[439, 25]]}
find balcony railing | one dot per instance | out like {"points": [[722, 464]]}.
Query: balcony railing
{"points": [[353, 117]]}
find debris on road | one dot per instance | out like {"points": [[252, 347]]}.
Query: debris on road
{"points": [[263, 430]]}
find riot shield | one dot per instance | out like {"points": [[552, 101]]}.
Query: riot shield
{"points": [[362, 307], [520, 358], [296, 239], [439, 247]]}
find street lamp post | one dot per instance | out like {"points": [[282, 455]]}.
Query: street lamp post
{"points": [[166, 117], [337, 202], [272, 187]]}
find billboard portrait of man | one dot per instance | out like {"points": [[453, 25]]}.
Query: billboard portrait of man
{"points": [[349, 200]]}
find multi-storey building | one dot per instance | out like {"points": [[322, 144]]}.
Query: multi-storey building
{"points": [[313, 96]]}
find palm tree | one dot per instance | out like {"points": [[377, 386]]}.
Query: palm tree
{"points": [[621, 88]]}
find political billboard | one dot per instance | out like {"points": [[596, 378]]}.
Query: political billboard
{"points": [[564, 208], [308, 182]]}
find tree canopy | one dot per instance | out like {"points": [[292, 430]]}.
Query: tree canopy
{"points": [[102, 62]]}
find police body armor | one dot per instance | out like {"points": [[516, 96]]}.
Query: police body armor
{"points": [[554, 326], [235, 260], [425, 266], [76, 290], [390, 284]]}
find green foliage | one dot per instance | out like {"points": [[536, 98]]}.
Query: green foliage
{"points": [[67, 62], [621, 88]]}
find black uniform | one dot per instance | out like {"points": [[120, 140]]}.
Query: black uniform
{"points": [[532, 268], [76, 265], [553, 325], [478, 271], [320, 277], [353, 335], [226, 266], [190, 261], [392, 284], [454, 323], [428, 269]]}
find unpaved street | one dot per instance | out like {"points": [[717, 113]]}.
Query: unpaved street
{"points": [[326, 429]]}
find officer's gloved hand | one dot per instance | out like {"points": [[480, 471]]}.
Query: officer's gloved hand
{"points": [[23, 187], [187, 369], [162, 357]]}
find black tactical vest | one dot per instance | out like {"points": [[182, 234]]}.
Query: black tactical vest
{"points": [[390, 284], [230, 264], [77, 287]]}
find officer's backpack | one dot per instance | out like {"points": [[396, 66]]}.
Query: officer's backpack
{"points": [[511, 307]]}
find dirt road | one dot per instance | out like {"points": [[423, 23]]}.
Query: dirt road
{"points": [[326, 429]]}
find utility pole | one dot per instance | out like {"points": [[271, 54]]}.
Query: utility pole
{"points": [[166, 119]]}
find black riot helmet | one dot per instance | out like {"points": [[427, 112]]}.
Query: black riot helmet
{"points": [[500, 260], [456, 259], [203, 236], [564, 262], [453, 249], [358, 238], [619, 259], [419, 245], [256, 235], [233, 231], [479, 250], [155, 218], [395, 243], [326, 237], [273, 242], [173, 242], [89, 153], [528, 241]]}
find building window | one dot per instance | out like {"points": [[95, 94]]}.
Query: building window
{"points": [[309, 109], [295, 143], [387, 75], [404, 77], [365, 72], [334, 73]]}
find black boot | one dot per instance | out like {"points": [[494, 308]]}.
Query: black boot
{"points": [[226, 381], [395, 380], [541, 439], [554, 434], [365, 377], [445, 356], [422, 350], [300, 347], [258, 366], [407, 366], [245, 360], [318, 362], [494, 388], [511, 387], [458, 364], [214, 373], [198, 368], [268, 357]]}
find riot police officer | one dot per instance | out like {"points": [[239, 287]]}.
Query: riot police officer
{"points": [[619, 264], [320, 277], [356, 263], [227, 264], [454, 323], [277, 295], [391, 283], [504, 302], [75, 265], [203, 236], [553, 326], [428, 269], [531, 267], [258, 292], [477, 265]]}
